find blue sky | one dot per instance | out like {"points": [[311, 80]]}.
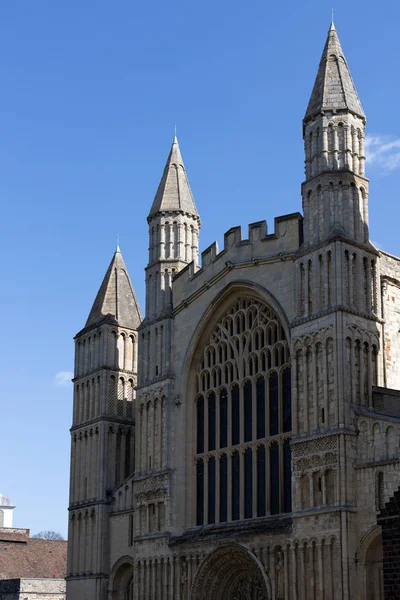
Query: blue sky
{"points": [[90, 94]]}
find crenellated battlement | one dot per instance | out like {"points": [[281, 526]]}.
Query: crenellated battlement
{"points": [[258, 246]]}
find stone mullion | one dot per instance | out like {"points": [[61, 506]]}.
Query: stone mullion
{"points": [[229, 418], [241, 415], [267, 401]]}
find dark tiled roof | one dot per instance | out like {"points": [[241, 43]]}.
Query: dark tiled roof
{"points": [[24, 557]]}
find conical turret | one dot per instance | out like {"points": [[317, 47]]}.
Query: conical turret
{"points": [[334, 88], [116, 300], [174, 193]]}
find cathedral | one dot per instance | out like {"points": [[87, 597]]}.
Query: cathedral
{"points": [[240, 439]]}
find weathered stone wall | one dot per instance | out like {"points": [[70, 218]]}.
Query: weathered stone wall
{"points": [[32, 589]]}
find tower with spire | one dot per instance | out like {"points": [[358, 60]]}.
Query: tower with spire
{"points": [[336, 331], [102, 432], [174, 225]]}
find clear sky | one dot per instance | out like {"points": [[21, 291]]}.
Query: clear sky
{"points": [[90, 94]]}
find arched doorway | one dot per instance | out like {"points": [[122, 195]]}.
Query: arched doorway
{"points": [[374, 569], [371, 565], [122, 583], [231, 573]]}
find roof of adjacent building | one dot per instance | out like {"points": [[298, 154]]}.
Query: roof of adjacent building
{"points": [[116, 300], [334, 88], [22, 556], [174, 193], [4, 501]]}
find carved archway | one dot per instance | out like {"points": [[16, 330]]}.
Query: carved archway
{"points": [[121, 579], [231, 573], [370, 562]]}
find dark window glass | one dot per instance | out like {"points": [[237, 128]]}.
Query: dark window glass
{"points": [[273, 404], [223, 488], [260, 396], [235, 416], [235, 486], [223, 418], [200, 425], [200, 493], [248, 411], [211, 490], [261, 498], [248, 484], [211, 421], [287, 400], [287, 476], [274, 478]]}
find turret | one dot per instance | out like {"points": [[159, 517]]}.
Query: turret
{"points": [[335, 193], [174, 225], [102, 453]]}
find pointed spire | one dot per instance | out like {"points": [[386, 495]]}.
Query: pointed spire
{"points": [[174, 193], [333, 88], [116, 301]]}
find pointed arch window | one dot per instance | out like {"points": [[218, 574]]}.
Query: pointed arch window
{"points": [[245, 382]]}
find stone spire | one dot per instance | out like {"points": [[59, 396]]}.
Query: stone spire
{"points": [[174, 193], [334, 88], [116, 300], [335, 193]]}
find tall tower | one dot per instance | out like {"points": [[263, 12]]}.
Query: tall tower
{"points": [[336, 333], [102, 452], [173, 243]]}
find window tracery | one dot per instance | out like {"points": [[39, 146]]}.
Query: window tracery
{"points": [[243, 417]]}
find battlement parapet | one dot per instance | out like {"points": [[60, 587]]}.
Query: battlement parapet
{"points": [[258, 246]]}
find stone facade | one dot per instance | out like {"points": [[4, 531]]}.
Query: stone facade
{"points": [[32, 589], [238, 441]]}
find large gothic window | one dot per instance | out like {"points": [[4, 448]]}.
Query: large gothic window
{"points": [[243, 417]]}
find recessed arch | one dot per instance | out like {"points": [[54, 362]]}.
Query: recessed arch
{"points": [[229, 572]]}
